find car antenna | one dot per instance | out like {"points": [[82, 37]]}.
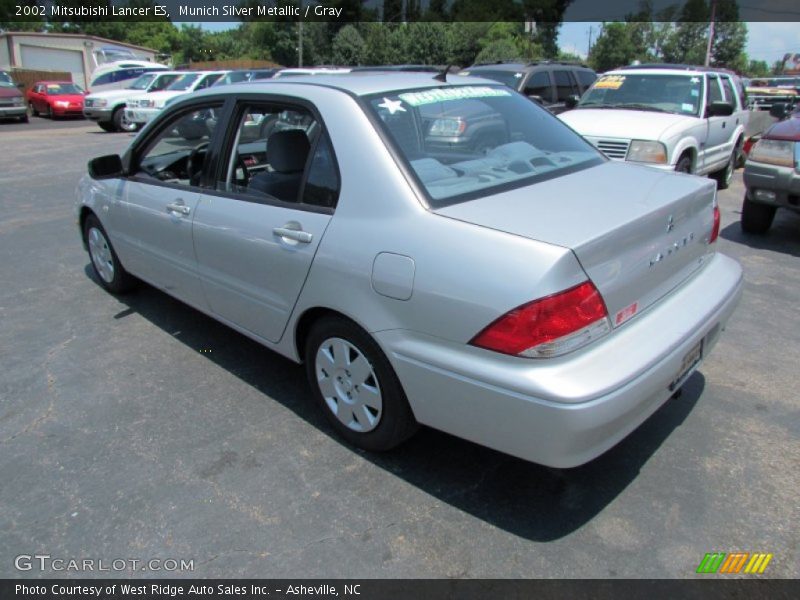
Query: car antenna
{"points": [[442, 75]]}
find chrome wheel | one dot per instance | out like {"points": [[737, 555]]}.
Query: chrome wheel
{"points": [[348, 384], [125, 124], [100, 252]]}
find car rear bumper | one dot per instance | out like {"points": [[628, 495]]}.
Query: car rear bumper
{"points": [[782, 182], [13, 111], [566, 411], [98, 114]]}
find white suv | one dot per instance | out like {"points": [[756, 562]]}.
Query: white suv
{"points": [[673, 117], [107, 108], [142, 109]]}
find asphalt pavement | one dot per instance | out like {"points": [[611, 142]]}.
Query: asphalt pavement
{"points": [[137, 428]]}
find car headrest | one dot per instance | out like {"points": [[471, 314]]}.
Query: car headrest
{"points": [[287, 151]]}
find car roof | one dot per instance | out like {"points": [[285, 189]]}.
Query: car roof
{"points": [[520, 66], [675, 69], [363, 83]]}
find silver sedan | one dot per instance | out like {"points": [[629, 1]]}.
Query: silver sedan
{"points": [[435, 252]]}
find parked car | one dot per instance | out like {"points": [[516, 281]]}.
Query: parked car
{"points": [[533, 297], [550, 83], [671, 117], [772, 173], [763, 93], [108, 108], [12, 102], [142, 108], [245, 75], [55, 99]]}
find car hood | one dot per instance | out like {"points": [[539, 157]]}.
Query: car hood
{"points": [[637, 231], [788, 130], [621, 123], [9, 92]]}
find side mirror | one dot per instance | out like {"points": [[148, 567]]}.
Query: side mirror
{"points": [[106, 167], [571, 101], [719, 109], [778, 110]]}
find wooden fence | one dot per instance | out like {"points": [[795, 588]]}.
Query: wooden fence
{"points": [[28, 77]]}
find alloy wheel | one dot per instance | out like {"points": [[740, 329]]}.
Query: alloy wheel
{"points": [[100, 252]]}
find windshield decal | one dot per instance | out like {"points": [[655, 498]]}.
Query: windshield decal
{"points": [[392, 106], [454, 93], [686, 107], [610, 82]]}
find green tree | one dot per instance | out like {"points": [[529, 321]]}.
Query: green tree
{"points": [[499, 50], [757, 68], [464, 42], [348, 47], [613, 48]]}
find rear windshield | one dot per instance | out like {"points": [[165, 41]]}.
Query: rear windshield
{"points": [[463, 142], [184, 82]]}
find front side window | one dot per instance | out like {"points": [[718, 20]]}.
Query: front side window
{"points": [[656, 92], [177, 153], [585, 78], [539, 85], [730, 96], [467, 141], [281, 153], [714, 91]]}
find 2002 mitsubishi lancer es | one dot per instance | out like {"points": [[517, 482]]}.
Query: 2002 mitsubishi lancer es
{"points": [[523, 292]]}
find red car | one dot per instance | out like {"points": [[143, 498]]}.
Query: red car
{"points": [[55, 99]]}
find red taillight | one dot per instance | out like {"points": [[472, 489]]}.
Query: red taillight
{"points": [[715, 227], [548, 326]]}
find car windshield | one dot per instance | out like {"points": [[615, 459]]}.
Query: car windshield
{"points": [[184, 82], [56, 89], [509, 78], [5, 80], [233, 77], [679, 94], [463, 142], [142, 82]]}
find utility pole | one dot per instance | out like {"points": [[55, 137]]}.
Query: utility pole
{"points": [[589, 49], [300, 37], [711, 32]]}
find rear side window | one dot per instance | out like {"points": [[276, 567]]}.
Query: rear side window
{"points": [[565, 86], [539, 85], [322, 183]]}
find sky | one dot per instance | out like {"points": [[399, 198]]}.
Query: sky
{"points": [[765, 41]]}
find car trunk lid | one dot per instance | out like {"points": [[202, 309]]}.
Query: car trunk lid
{"points": [[637, 232]]}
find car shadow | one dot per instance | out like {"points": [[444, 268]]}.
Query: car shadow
{"points": [[783, 236], [528, 500]]}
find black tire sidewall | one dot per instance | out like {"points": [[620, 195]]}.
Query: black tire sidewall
{"points": [[756, 217], [397, 420], [681, 161]]}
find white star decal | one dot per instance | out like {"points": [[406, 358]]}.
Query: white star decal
{"points": [[392, 106]]}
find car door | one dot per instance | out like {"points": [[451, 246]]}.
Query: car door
{"points": [[161, 195], [37, 98], [739, 116], [257, 233], [716, 150]]}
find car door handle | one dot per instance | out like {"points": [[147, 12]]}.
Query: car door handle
{"points": [[179, 207], [298, 235]]}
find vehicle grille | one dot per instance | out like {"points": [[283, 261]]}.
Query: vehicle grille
{"points": [[6, 102], [617, 150]]}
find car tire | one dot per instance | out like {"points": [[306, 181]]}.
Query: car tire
{"points": [[117, 118], [105, 263], [684, 164], [356, 387], [32, 110], [724, 177], [756, 217], [106, 126], [49, 114], [125, 125], [24, 118]]}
